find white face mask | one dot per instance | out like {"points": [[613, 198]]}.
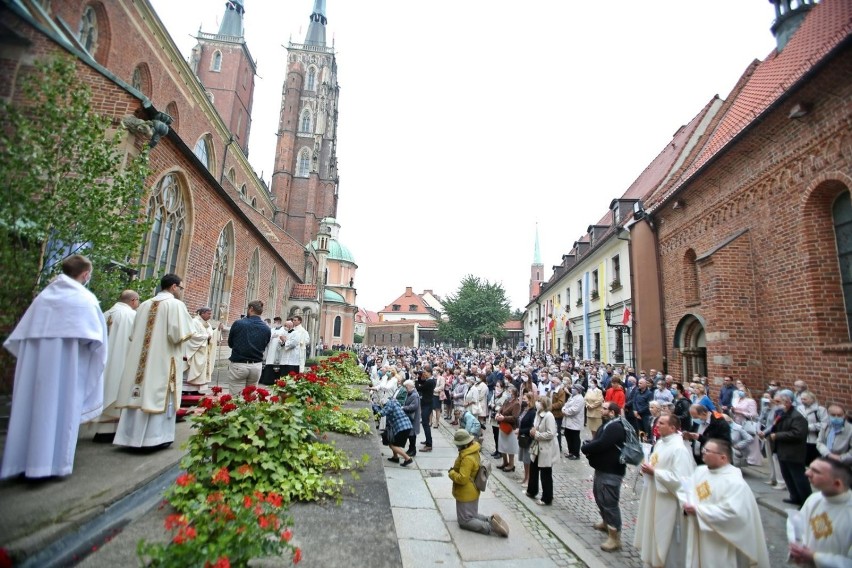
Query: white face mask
{"points": [[538, 406]]}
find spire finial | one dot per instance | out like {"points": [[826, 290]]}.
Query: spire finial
{"points": [[537, 252]]}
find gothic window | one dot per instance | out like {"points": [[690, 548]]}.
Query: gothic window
{"points": [[88, 32], [690, 278], [311, 83], [337, 324], [167, 215], [305, 122], [254, 202], [243, 192], [842, 214], [172, 111], [204, 151], [304, 163], [232, 176], [216, 61], [251, 278], [273, 293], [220, 280], [141, 79]]}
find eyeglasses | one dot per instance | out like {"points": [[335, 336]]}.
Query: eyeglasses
{"points": [[706, 451], [179, 286]]}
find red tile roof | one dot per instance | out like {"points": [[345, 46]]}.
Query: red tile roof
{"points": [[824, 28], [425, 324], [514, 325], [409, 298], [304, 292]]}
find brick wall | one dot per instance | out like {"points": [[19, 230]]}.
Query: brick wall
{"points": [[771, 298]]}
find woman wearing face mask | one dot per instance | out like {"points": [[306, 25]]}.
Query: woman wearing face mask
{"points": [[573, 411], [507, 420], [835, 440], [594, 402], [500, 397], [525, 424], [817, 417], [558, 396], [543, 452]]}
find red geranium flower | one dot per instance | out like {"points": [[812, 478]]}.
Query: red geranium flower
{"points": [[222, 562], [274, 399], [245, 469], [281, 383], [286, 535], [222, 476], [229, 407], [185, 479], [297, 556], [216, 390], [274, 499], [262, 392], [247, 502], [174, 521], [225, 398]]}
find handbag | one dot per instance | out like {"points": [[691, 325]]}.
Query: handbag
{"points": [[385, 440], [525, 440], [505, 427]]}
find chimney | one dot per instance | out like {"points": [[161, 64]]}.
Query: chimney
{"points": [[409, 291]]}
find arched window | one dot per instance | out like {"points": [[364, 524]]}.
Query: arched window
{"points": [[204, 151], [172, 111], [232, 177], [251, 278], [305, 122], [311, 82], [841, 212], [141, 79], [337, 324], [690, 278], [304, 163], [254, 202], [216, 61], [243, 192], [167, 215], [88, 32], [220, 281], [273, 294]]}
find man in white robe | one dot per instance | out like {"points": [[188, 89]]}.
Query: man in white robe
{"points": [[724, 527], [827, 515], [61, 350], [661, 528], [119, 322], [299, 339], [149, 391], [201, 351]]}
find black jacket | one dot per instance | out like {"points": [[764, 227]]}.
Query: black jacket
{"points": [[427, 391], [604, 450], [718, 428], [791, 435]]}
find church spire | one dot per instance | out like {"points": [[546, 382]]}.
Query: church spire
{"points": [[232, 21], [316, 29], [537, 251]]}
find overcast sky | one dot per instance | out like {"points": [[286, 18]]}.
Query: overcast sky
{"points": [[463, 123]]}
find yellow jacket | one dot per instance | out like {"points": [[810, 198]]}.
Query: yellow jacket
{"points": [[464, 472]]}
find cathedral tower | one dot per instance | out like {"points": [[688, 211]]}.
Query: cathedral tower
{"points": [[223, 64], [305, 180], [536, 269]]}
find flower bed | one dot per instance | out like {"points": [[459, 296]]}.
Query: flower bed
{"points": [[250, 456]]}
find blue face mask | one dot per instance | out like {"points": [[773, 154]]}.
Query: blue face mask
{"points": [[836, 421], [740, 393]]}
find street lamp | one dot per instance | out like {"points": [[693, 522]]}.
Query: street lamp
{"points": [[622, 327]]}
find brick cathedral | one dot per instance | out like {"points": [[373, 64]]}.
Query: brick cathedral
{"points": [[215, 222]]}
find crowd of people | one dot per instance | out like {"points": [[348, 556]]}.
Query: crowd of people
{"points": [[121, 374], [695, 503]]}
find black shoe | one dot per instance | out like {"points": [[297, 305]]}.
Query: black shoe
{"points": [[790, 501], [570, 457], [394, 459], [496, 455], [407, 462], [104, 438], [411, 453]]}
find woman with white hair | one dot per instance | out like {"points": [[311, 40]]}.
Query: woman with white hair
{"points": [[544, 452], [817, 417]]}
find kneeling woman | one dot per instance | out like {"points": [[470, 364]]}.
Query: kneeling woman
{"points": [[398, 427]]}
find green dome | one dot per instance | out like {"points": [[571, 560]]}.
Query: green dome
{"points": [[336, 251], [332, 296]]}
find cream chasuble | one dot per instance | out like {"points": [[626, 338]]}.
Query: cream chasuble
{"points": [[119, 320], [201, 352], [726, 529], [828, 529], [661, 530], [149, 394]]}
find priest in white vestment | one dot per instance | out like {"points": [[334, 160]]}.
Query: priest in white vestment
{"points": [[827, 516], [201, 351], [149, 392], [724, 527], [299, 339], [661, 527], [119, 322], [61, 350]]}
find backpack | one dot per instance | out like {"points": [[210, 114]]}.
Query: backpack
{"points": [[481, 478], [631, 451]]}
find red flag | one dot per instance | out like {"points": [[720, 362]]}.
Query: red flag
{"points": [[552, 323], [626, 318]]}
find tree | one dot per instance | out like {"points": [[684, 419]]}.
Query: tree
{"points": [[478, 310], [66, 187]]}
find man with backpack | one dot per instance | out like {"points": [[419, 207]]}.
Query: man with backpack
{"points": [[604, 454], [465, 491]]}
